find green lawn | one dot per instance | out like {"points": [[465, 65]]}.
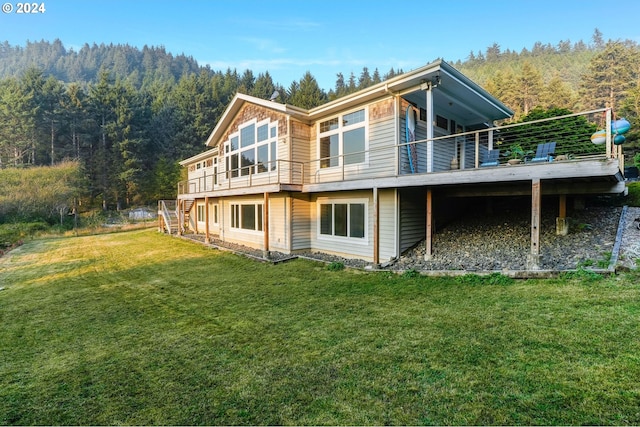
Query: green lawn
{"points": [[142, 328]]}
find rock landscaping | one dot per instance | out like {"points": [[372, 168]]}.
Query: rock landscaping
{"points": [[501, 242]]}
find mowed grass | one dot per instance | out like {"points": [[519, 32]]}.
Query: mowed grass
{"points": [[141, 328]]}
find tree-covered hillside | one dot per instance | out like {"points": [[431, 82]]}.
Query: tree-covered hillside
{"points": [[129, 115]]}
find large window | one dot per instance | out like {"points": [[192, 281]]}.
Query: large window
{"points": [[246, 216], [343, 140], [252, 150], [343, 219]]}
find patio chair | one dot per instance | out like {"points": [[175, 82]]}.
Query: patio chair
{"points": [[544, 152], [491, 158]]}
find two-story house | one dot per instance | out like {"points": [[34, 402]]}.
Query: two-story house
{"points": [[368, 175]]}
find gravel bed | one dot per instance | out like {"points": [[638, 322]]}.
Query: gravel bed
{"points": [[274, 256], [503, 242], [500, 242]]}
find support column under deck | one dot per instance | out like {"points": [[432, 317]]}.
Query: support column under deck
{"points": [[533, 260], [206, 219], [265, 225], [427, 242], [376, 227], [562, 225]]}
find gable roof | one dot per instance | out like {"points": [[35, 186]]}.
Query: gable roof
{"points": [[454, 90], [199, 157], [236, 104]]}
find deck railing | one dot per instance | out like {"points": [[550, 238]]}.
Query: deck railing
{"points": [[167, 215], [469, 150], [446, 153], [275, 172]]}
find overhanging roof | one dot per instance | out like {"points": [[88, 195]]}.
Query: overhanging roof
{"points": [[451, 88], [199, 157]]}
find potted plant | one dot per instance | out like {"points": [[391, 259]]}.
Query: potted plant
{"points": [[516, 154]]}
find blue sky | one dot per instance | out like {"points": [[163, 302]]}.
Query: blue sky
{"points": [[288, 38]]}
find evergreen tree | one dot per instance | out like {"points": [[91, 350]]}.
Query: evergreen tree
{"points": [[365, 79], [18, 118], [308, 94], [610, 75], [528, 86], [51, 102]]}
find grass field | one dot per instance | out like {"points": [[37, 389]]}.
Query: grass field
{"points": [[142, 328]]}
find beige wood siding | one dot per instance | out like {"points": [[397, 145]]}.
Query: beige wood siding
{"points": [[345, 247], [253, 239], [278, 223], [382, 139], [301, 222], [388, 224], [412, 218]]}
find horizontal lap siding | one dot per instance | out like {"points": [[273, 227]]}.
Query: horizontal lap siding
{"points": [[253, 239], [388, 224], [420, 147], [301, 223], [382, 153], [344, 247], [412, 218], [443, 153], [278, 223]]}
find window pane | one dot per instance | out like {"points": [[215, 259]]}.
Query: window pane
{"points": [[263, 132], [326, 219], [248, 217], [353, 118], [329, 125], [263, 158], [234, 165], [356, 220], [354, 143], [274, 155], [235, 216], [248, 136], [329, 146], [248, 159], [340, 220], [273, 132], [259, 209], [234, 143]]}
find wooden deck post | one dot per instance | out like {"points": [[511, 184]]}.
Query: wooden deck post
{"points": [[562, 225], [206, 219], [533, 261], [180, 216], [427, 242], [376, 226], [265, 225]]}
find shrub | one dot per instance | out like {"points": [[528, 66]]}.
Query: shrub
{"points": [[411, 274], [335, 266], [13, 234], [633, 198]]}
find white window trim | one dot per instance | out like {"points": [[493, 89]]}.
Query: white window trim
{"points": [[215, 218], [340, 131], [270, 139], [343, 239], [204, 210], [246, 230]]}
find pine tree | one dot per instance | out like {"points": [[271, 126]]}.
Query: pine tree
{"points": [[308, 93], [610, 75]]}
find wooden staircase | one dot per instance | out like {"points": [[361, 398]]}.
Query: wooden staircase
{"points": [[172, 212]]}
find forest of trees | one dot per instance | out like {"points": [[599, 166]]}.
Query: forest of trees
{"points": [[127, 116]]}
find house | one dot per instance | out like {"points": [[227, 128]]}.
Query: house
{"points": [[369, 175]]}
